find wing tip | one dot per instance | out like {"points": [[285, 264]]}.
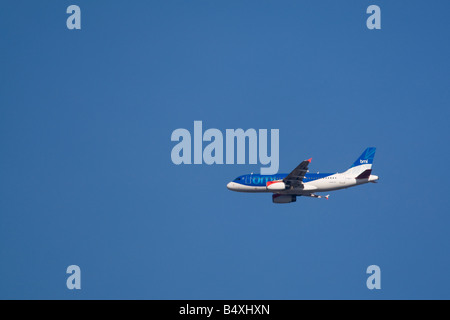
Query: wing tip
{"points": [[309, 160]]}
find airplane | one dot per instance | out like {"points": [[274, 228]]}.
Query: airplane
{"points": [[287, 187]]}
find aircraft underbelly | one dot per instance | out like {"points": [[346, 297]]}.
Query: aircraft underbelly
{"points": [[308, 189]]}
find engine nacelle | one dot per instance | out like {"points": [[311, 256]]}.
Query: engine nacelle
{"points": [[275, 185], [283, 198]]}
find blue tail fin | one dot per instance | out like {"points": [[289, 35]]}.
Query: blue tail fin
{"points": [[366, 157], [362, 167]]}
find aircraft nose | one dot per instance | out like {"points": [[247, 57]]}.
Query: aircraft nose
{"points": [[230, 185]]}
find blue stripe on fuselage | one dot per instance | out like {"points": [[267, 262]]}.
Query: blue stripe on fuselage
{"points": [[258, 180]]}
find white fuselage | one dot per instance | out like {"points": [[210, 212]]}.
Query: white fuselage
{"points": [[329, 183]]}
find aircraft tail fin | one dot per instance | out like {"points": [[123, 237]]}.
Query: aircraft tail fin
{"points": [[362, 167]]}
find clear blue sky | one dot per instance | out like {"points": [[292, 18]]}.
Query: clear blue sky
{"points": [[86, 176]]}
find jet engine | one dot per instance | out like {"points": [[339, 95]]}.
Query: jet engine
{"points": [[283, 198]]}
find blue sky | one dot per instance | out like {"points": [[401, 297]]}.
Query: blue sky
{"points": [[86, 176]]}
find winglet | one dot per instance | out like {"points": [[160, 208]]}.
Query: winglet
{"points": [[309, 160]]}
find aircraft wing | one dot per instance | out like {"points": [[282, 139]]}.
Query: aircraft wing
{"points": [[295, 178]]}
